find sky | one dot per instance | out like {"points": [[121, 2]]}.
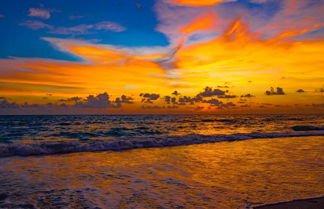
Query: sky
{"points": [[161, 56]]}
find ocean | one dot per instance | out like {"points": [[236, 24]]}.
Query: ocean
{"points": [[159, 161]]}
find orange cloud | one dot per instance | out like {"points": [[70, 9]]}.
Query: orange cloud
{"points": [[201, 23], [198, 2], [246, 61]]}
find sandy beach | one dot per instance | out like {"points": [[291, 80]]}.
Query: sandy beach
{"points": [[222, 175], [311, 203]]}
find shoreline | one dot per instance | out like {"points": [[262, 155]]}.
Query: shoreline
{"points": [[308, 203]]}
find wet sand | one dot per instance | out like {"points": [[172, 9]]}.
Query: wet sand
{"points": [[224, 175], [311, 203]]}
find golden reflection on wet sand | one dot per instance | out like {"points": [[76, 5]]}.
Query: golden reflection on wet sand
{"points": [[225, 175]]}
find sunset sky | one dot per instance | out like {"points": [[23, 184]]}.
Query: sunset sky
{"points": [[161, 56]]}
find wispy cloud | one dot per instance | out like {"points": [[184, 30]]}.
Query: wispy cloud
{"points": [[2, 16], [36, 24], [74, 17], [259, 1], [40, 13], [199, 2], [74, 30], [89, 28]]}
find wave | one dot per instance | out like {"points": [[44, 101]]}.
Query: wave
{"points": [[126, 143], [307, 128]]}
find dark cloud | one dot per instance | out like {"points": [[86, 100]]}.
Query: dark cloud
{"points": [[247, 95], [159, 107], [227, 96], [219, 104], [213, 102], [99, 101], [5, 104], [228, 105], [209, 92], [190, 100], [300, 91], [279, 91], [169, 100], [148, 98], [124, 99], [175, 93], [71, 99]]}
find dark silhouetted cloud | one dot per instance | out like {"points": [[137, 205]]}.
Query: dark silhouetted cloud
{"points": [[99, 101], [72, 99], [209, 92], [227, 96], [213, 102], [247, 95], [175, 93], [124, 99], [279, 91], [148, 98]]}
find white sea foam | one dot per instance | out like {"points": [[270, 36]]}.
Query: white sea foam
{"points": [[125, 143]]}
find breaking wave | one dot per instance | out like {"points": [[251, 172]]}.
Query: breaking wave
{"points": [[126, 143]]}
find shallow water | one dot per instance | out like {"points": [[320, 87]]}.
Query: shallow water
{"points": [[224, 175]]}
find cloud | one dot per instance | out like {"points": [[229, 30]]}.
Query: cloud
{"points": [[209, 92], [109, 26], [237, 52], [199, 2], [71, 99], [226, 96], [78, 29], [88, 28], [259, 1], [41, 13], [148, 98], [2, 16], [213, 102], [156, 107], [219, 104], [203, 22], [99, 101], [247, 95], [175, 93], [74, 30], [36, 25], [5, 104], [279, 91], [300, 91], [75, 17], [124, 99]]}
